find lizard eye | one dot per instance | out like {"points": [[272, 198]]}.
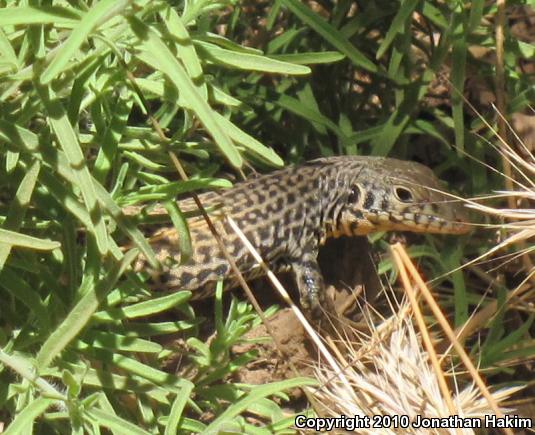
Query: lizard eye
{"points": [[403, 194], [354, 195]]}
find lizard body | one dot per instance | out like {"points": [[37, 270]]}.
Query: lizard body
{"points": [[289, 213]]}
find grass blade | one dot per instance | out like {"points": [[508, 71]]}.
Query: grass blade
{"points": [[186, 50], [18, 207], [81, 313], [24, 421], [255, 394], [28, 142], [310, 58], [68, 140], [114, 423], [178, 407], [156, 54], [397, 26], [146, 308], [250, 62], [99, 13], [38, 15], [12, 238], [329, 33]]}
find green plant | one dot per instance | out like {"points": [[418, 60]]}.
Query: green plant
{"points": [[95, 95]]}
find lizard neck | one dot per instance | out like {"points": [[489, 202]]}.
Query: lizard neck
{"points": [[334, 188]]}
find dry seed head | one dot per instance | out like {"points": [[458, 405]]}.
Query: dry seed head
{"points": [[389, 373]]}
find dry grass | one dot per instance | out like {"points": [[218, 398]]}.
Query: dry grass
{"points": [[517, 227], [390, 373]]}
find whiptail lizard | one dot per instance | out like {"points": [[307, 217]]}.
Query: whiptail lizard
{"points": [[289, 213]]}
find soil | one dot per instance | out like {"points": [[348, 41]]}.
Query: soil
{"points": [[349, 272]]}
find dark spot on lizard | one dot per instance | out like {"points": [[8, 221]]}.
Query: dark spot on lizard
{"points": [[202, 237], [186, 278], [204, 252], [221, 270], [369, 200], [384, 203], [309, 265], [164, 277], [204, 275], [291, 198], [264, 235]]}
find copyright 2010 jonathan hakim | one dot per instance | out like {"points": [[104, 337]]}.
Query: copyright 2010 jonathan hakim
{"points": [[353, 423]]}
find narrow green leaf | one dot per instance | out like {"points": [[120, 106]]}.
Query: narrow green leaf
{"points": [[451, 259], [28, 142], [257, 392], [172, 190], [147, 329], [392, 129], [221, 97], [143, 309], [398, 57], [81, 313], [110, 139], [398, 25], [526, 49], [104, 379], [186, 50], [23, 241], [17, 208], [514, 338], [28, 296], [156, 54], [223, 42], [250, 62], [68, 140], [118, 342], [143, 161], [476, 13], [181, 226], [255, 147], [12, 159], [192, 426], [177, 408], [135, 367], [113, 422], [284, 39], [421, 126], [307, 99], [24, 421], [310, 58], [12, 16], [126, 225], [434, 15], [101, 12], [7, 53], [329, 33], [295, 106], [457, 81]]}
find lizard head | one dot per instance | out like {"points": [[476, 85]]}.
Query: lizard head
{"points": [[389, 194]]}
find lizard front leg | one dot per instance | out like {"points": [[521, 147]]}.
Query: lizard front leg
{"points": [[309, 280]]}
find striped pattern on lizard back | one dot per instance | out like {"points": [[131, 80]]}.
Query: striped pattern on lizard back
{"points": [[289, 213]]}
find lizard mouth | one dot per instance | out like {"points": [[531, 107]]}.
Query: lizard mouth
{"points": [[415, 222]]}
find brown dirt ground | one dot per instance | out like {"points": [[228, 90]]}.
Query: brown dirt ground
{"points": [[348, 269]]}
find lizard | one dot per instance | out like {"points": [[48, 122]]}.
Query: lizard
{"points": [[288, 214]]}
